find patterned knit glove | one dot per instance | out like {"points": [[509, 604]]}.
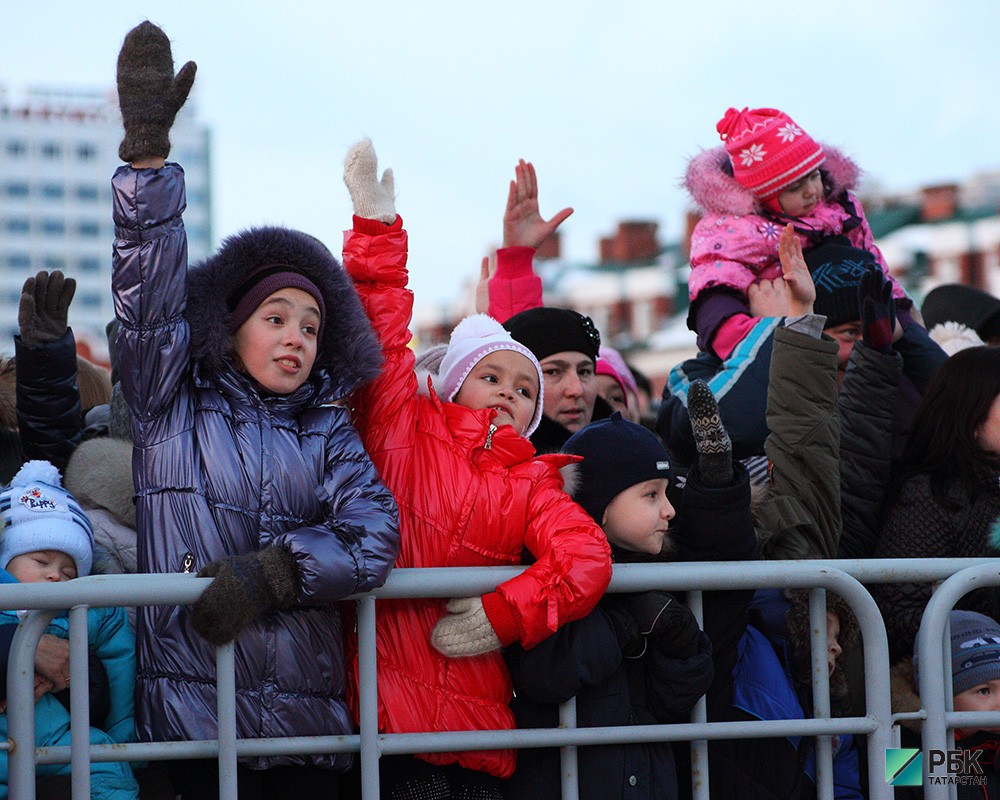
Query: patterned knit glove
{"points": [[44, 306], [466, 631], [148, 93], [715, 450], [878, 310], [373, 199], [245, 588]]}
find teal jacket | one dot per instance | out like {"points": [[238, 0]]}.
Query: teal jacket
{"points": [[111, 639]]}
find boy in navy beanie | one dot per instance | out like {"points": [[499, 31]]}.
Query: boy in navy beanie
{"points": [[641, 639]]}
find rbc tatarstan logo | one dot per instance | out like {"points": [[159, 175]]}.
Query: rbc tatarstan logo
{"points": [[904, 766]]}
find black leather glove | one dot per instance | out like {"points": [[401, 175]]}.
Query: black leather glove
{"points": [[245, 589], [148, 93], [43, 311]]}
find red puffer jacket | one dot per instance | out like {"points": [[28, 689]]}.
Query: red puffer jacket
{"points": [[465, 499]]}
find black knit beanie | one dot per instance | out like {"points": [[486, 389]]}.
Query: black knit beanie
{"points": [[545, 331], [617, 454], [836, 269]]}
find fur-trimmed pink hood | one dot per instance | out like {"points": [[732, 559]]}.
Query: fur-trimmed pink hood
{"points": [[716, 192]]}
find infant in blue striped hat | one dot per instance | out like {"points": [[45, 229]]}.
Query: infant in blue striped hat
{"points": [[46, 535]]}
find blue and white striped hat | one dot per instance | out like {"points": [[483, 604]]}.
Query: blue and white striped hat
{"points": [[38, 514]]}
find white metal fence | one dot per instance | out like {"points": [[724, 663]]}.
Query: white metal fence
{"points": [[846, 578]]}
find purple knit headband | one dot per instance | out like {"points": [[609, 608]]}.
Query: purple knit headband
{"points": [[261, 284]]}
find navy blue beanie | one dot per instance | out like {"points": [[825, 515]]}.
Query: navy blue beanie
{"points": [[836, 268], [617, 454]]}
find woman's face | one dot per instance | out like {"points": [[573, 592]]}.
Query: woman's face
{"points": [[988, 431]]}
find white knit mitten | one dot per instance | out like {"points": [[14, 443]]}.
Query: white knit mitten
{"points": [[373, 199], [466, 631]]}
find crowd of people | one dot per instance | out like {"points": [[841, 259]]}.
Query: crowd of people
{"points": [[266, 424]]}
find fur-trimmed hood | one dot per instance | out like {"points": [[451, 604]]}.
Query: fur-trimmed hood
{"points": [[715, 191], [349, 351]]}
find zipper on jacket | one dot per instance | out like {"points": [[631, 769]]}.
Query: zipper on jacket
{"points": [[489, 436], [187, 563]]}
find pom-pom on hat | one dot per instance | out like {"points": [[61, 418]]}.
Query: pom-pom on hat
{"points": [[547, 330], [836, 268], [472, 340], [261, 284], [38, 514], [975, 650], [767, 149], [617, 454]]}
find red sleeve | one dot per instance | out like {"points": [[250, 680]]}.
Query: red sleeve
{"points": [[375, 258], [572, 565], [514, 287]]}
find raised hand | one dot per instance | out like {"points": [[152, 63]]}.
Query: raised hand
{"points": [[486, 270], [372, 198], [43, 311], [148, 92], [879, 326], [801, 290], [523, 225]]}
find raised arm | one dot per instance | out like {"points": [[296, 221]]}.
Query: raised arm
{"points": [[514, 287], [150, 250], [49, 416]]}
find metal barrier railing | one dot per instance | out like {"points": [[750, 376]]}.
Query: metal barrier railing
{"points": [[843, 577]]}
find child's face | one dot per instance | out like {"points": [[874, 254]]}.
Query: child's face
{"points": [[277, 344], [984, 697], [42, 566], [506, 381], [570, 388], [802, 196], [638, 518], [612, 393], [833, 649]]}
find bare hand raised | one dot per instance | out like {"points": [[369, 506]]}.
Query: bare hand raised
{"points": [[486, 270], [795, 272], [523, 225]]}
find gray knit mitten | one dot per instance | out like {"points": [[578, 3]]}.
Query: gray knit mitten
{"points": [[373, 199], [466, 631], [42, 314], [245, 588], [715, 450], [148, 92]]}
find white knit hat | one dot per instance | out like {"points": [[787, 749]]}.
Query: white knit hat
{"points": [[38, 514], [472, 340]]}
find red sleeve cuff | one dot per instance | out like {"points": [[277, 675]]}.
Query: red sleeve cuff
{"points": [[501, 616], [515, 262], [375, 227]]}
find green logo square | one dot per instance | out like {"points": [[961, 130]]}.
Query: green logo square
{"points": [[904, 766]]}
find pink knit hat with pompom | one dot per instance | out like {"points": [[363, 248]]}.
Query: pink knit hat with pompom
{"points": [[767, 149]]}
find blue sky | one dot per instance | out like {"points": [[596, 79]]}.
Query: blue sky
{"points": [[608, 100]]}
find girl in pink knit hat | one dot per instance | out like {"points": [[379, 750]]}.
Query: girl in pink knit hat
{"points": [[769, 173], [770, 180]]}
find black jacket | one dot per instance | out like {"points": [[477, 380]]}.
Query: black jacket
{"points": [[584, 659]]}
